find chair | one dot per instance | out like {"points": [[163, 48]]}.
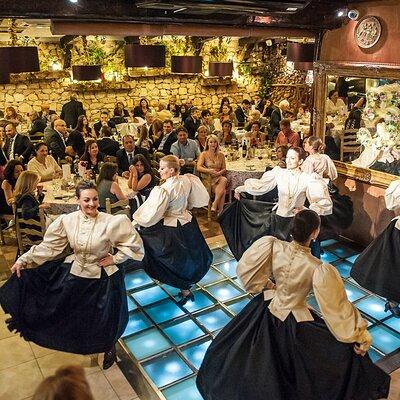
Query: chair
{"points": [[27, 229], [8, 219], [348, 143], [206, 179], [36, 137], [120, 207]]}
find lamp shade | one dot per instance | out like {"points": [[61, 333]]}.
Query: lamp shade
{"points": [[19, 59], [137, 55], [186, 64], [300, 52], [303, 66], [86, 72], [220, 69]]}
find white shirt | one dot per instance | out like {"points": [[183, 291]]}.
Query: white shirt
{"points": [[46, 171], [321, 164]]}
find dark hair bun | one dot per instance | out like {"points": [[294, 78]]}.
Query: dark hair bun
{"points": [[305, 223]]}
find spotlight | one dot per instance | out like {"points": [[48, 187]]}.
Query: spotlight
{"points": [[73, 1], [340, 13], [353, 14]]}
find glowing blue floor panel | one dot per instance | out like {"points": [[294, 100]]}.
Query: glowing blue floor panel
{"points": [[169, 341]]}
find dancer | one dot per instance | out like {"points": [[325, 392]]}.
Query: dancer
{"points": [[77, 304], [276, 347], [321, 164], [377, 267], [245, 220], [176, 252]]}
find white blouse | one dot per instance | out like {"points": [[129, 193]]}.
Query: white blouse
{"points": [[91, 239], [392, 198], [296, 272], [332, 108], [294, 186], [172, 200], [47, 171], [321, 164]]}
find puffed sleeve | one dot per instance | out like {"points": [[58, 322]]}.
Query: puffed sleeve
{"points": [[198, 196], [153, 209], [307, 166], [255, 266], [318, 195], [260, 186], [124, 237], [54, 243], [342, 318], [331, 170], [392, 195]]}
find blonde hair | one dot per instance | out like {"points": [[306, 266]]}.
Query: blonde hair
{"points": [[316, 143], [172, 162], [212, 137], [26, 183]]}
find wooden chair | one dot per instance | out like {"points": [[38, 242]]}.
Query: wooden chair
{"points": [[206, 179], [348, 143], [8, 219], [28, 228], [120, 207], [36, 137]]}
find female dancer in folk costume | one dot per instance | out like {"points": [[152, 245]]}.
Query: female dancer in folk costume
{"points": [[175, 250], [321, 164], [244, 221], [76, 304], [276, 347], [377, 268]]}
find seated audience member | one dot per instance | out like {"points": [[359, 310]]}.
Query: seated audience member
{"points": [[121, 105], [68, 383], [224, 102], [281, 152], [44, 164], [107, 185], [118, 117], [156, 129], [12, 116], [185, 149], [144, 140], [228, 115], [256, 136], [201, 137], [17, 144], [276, 116], [192, 122], [286, 136], [83, 127], [45, 112], [57, 141], [142, 109], [173, 107], [354, 120], [104, 120], [212, 168], [290, 115], [268, 108], [126, 155], [242, 112], [141, 178], [92, 158], [185, 111], [226, 137], [37, 124], [207, 121], [12, 171], [163, 114], [255, 116], [259, 103], [164, 142], [3, 156], [106, 144], [49, 130], [150, 118], [334, 104]]}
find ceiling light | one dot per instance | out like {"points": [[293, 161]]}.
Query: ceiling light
{"points": [[291, 9], [56, 66], [180, 9], [73, 1], [340, 13]]}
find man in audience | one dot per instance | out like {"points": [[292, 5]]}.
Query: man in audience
{"points": [[164, 142], [149, 117], [77, 142], [186, 150], [193, 122], [57, 141], [107, 145], [242, 112], [104, 121], [259, 103], [45, 112], [207, 121], [37, 124], [125, 156], [286, 136], [17, 145], [173, 107], [276, 117], [71, 111], [49, 130], [255, 116]]}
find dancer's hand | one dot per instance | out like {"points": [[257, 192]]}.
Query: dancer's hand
{"points": [[106, 261], [237, 196], [17, 268], [358, 350]]}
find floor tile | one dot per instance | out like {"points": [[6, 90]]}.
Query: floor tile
{"points": [[101, 387], [39, 351], [4, 332], [14, 351], [119, 383], [20, 382]]}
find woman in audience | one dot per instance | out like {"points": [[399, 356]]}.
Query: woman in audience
{"points": [[12, 116], [83, 127], [92, 157], [185, 111], [227, 114], [212, 167], [175, 250], [141, 109], [13, 170], [144, 139], [44, 164], [121, 106], [277, 347], [281, 152], [268, 108], [107, 185], [68, 383], [224, 102], [334, 104], [76, 304], [226, 137], [157, 128], [201, 137]]}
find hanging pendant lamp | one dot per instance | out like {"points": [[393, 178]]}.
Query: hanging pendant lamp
{"points": [[300, 52], [220, 68], [139, 56], [186, 64], [86, 72]]}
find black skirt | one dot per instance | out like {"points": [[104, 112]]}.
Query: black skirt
{"points": [[178, 256], [377, 268], [258, 357], [61, 311]]}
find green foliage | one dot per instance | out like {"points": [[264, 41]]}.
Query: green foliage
{"points": [[219, 52], [267, 78]]}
